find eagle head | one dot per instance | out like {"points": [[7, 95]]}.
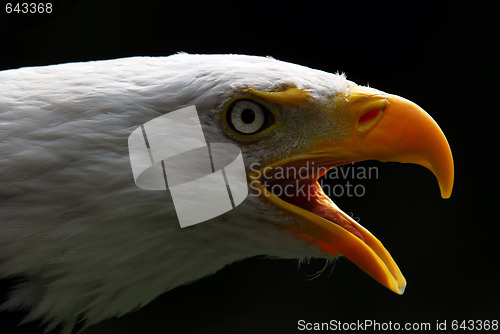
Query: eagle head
{"points": [[85, 243]]}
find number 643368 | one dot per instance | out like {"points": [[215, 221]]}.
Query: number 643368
{"points": [[28, 8]]}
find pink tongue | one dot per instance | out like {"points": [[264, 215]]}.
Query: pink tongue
{"points": [[337, 217], [315, 201]]}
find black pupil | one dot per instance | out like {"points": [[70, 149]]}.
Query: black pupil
{"points": [[248, 116]]}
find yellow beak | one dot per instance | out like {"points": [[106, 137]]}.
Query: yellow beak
{"points": [[386, 128], [402, 132]]}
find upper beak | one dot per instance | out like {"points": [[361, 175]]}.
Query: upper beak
{"points": [[383, 127], [400, 131]]}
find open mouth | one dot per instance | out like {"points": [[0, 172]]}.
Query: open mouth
{"points": [[293, 187], [305, 192]]}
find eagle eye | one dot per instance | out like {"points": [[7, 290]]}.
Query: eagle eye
{"points": [[248, 117]]}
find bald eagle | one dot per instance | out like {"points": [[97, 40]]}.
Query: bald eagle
{"points": [[86, 244]]}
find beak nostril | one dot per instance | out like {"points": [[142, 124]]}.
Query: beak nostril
{"points": [[369, 116], [368, 119]]}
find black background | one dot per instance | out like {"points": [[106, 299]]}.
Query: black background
{"points": [[438, 54]]}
